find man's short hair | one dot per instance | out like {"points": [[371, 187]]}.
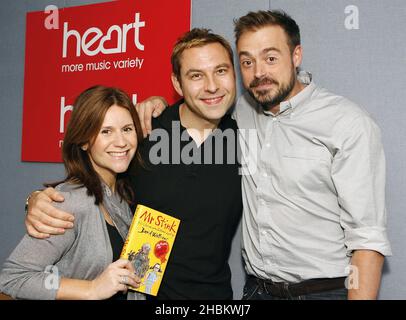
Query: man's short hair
{"points": [[197, 37], [256, 20]]}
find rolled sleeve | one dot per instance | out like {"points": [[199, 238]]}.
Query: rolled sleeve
{"points": [[367, 238], [358, 173]]}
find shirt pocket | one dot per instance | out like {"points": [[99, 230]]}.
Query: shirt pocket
{"points": [[319, 154], [305, 170]]}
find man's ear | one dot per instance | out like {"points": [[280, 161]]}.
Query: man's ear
{"points": [[176, 84], [297, 56]]}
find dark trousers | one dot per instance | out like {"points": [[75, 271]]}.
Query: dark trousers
{"points": [[257, 289]]}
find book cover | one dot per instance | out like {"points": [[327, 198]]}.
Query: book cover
{"points": [[148, 246]]}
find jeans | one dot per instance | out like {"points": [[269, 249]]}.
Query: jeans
{"points": [[254, 291]]}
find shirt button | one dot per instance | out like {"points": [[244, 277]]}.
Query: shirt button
{"points": [[264, 233], [274, 119], [268, 145], [264, 174]]}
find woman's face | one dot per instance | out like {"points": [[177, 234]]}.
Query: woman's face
{"points": [[115, 144]]}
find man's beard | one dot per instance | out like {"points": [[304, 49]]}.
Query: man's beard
{"points": [[267, 100]]}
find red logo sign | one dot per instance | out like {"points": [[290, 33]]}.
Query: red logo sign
{"points": [[124, 43]]}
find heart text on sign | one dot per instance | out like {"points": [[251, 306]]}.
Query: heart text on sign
{"points": [[85, 43]]}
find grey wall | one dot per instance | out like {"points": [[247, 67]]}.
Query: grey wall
{"points": [[367, 65]]}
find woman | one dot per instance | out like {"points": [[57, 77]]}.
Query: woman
{"points": [[100, 142]]}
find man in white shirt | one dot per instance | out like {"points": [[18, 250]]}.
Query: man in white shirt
{"points": [[314, 200]]}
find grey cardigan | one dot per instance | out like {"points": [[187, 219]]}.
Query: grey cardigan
{"points": [[35, 267]]}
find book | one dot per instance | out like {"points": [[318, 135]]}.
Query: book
{"points": [[148, 246]]}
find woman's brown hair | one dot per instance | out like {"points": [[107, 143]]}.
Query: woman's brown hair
{"points": [[84, 125]]}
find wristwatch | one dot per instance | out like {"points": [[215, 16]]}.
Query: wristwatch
{"points": [[28, 199]]}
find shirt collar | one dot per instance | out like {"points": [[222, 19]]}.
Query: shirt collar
{"points": [[170, 114]]}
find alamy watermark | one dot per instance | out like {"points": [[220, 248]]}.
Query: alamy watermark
{"points": [[51, 21], [52, 278], [220, 147], [352, 280], [351, 21]]}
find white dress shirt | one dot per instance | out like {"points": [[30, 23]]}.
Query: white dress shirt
{"points": [[313, 186]]}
